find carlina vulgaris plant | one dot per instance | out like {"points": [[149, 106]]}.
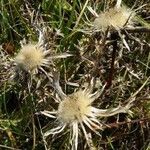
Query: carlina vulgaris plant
{"points": [[76, 112], [33, 57], [115, 19]]}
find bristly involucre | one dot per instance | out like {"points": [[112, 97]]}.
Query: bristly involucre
{"points": [[30, 57], [116, 18]]}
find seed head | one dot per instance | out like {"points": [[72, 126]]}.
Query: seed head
{"points": [[74, 107], [30, 57], [114, 17]]}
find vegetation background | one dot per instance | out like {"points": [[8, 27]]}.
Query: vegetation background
{"points": [[20, 127]]}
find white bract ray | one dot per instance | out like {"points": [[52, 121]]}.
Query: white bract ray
{"points": [[75, 112]]}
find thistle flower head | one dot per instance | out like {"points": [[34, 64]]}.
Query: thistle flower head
{"points": [[35, 56], [76, 111], [75, 107], [116, 18], [30, 57]]}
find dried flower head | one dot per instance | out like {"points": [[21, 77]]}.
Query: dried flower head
{"points": [[74, 107], [36, 58], [30, 57], [117, 18], [76, 112]]}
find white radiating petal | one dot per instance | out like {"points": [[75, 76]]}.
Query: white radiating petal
{"points": [[90, 124], [96, 95], [85, 133], [118, 4], [48, 114], [63, 55], [57, 86], [110, 112], [93, 122], [75, 136], [90, 87], [92, 11], [96, 111], [41, 38], [55, 130]]}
